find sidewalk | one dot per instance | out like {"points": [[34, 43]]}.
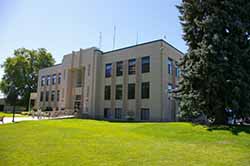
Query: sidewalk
{"points": [[18, 119]]}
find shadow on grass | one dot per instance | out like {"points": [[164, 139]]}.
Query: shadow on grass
{"points": [[235, 130]]}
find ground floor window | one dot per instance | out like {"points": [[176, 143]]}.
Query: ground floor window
{"points": [[118, 113], [107, 113], [145, 114]]}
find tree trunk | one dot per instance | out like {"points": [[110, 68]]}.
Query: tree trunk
{"points": [[220, 117], [14, 111]]}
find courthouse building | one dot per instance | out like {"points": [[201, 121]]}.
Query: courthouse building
{"points": [[127, 83]]}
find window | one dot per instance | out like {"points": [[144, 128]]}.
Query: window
{"points": [[54, 79], [119, 68], [177, 70], [145, 64], [78, 97], [48, 80], [170, 66], [89, 69], [41, 96], [131, 66], [145, 90], [145, 114], [59, 78], [43, 81], [47, 96], [108, 70], [107, 113], [79, 78], [118, 92], [170, 87], [107, 92], [131, 91], [118, 113], [52, 95], [58, 95]]}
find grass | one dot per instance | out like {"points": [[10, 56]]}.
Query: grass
{"points": [[89, 142], [10, 114]]}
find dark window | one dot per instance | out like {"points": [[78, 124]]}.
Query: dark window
{"points": [[58, 95], [170, 66], [47, 96], [52, 95], [131, 91], [108, 70], [145, 64], [107, 92], [107, 113], [43, 81], [145, 88], [118, 92], [119, 68], [41, 96], [48, 80], [145, 114], [177, 71], [78, 97], [59, 78], [118, 113], [131, 66], [54, 79]]}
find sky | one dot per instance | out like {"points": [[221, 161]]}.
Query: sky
{"points": [[63, 26]]}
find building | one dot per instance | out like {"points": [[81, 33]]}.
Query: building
{"points": [[127, 83]]}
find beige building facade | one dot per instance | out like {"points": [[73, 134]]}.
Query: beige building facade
{"points": [[131, 83]]}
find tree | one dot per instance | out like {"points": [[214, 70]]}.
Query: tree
{"points": [[21, 72], [216, 70]]}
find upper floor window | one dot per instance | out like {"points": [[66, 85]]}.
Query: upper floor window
{"points": [[170, 66], [119, 68], [59, 78], [145, 64], [47, 96], [108, 70], [145, 90], [43, 81], [118, 92], [52, 95], [131, 91], [170, 88], [48, 80], [54, 79], [107, 92], [177, 70], [41, 96], [89, 67], [131, 66], [58, 95]]}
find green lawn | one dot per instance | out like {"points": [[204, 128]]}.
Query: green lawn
{"points": [[10, 114], [89, 142]]}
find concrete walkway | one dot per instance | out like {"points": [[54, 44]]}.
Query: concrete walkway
{"points": [[18, 119]]}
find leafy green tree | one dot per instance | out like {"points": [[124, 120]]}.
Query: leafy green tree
{"points": [[21, 72], [216, 70]]}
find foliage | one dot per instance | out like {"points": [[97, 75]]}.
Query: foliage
{"points": [[21, 72], [89, 142], [216, 70]]}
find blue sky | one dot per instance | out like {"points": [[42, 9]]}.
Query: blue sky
{"points": [[63, 26]]}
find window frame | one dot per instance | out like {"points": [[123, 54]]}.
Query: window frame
{"points": [[145, 114], [108, 92], [145, 64], [108, 73], [131, 96], [118, 92], [119, 68], [145, 94], [132, 66]]}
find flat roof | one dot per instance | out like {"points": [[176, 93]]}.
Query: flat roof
{"points": [[136, 45]]}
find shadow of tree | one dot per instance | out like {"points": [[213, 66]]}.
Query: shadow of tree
{"points": [[235, 130]]}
